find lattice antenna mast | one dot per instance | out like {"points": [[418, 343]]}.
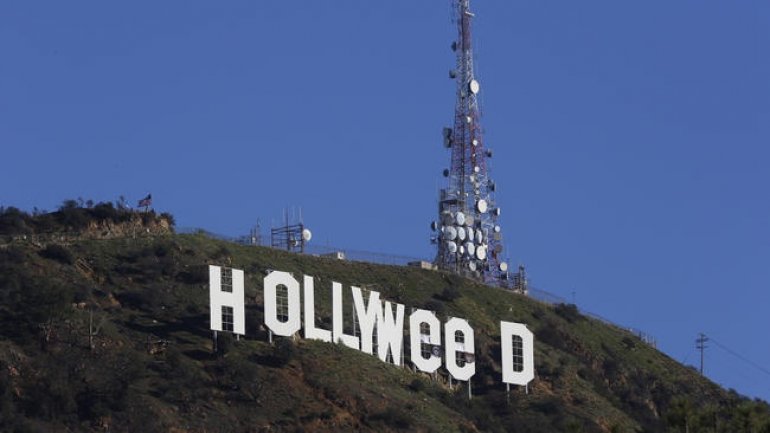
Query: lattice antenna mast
{"points": [[468, 238]]}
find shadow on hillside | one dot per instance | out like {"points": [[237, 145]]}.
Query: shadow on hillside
{"points": [[196, 325], [198, 354]]}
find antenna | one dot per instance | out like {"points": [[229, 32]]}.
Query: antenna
{"points": [[467, 234], [292, 236], [255, 235]]}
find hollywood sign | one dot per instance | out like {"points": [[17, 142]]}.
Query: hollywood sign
{"points": [[383, 320]]}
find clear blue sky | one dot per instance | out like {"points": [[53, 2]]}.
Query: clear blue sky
{"points": [[631, 138]]}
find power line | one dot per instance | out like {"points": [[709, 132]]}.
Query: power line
{"points": [[684, 362], [741, 357]]}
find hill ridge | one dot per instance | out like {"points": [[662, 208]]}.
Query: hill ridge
{"points": [[152, 365]]}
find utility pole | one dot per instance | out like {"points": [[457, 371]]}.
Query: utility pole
{"points": [[700, 344]]}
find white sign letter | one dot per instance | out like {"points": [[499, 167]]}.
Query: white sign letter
{"points": [[517, 348], [390, 333], [451, 328], [337, 316], [226, 300], [311, 332], [292, 324], [368, 316], [417, 339]]}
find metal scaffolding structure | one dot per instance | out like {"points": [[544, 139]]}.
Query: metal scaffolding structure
{"points": [[290, 236]]}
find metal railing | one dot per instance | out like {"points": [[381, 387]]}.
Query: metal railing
{"points": [[315, 250]]}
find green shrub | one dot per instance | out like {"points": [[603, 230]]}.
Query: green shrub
{"points": [[568, 312], [629, 343], [449, 294], [225, 343], [168, 217], [57, 253], [283, 352], [437, 306], [194, 275], [394, 417], [13, 221], [417, 385], [105, 211]]}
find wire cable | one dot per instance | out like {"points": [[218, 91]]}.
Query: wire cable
{"points": [[739, 356], [684, 362]]}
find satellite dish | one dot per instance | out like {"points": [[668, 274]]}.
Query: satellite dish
{"points": [[498, 248], [461, 233], [481, 206], [460, 218], [496, 211], [446, 172], [474, 86], [481, 252], [475, 142], [476, 169], [446, 218], [489, 153], [472, 178], [447, 142], [447, 132], [307, 235], [469, 222], [497, 237], [434, 226], [450, 233], [472, 266], [470, 248], [468, 119], [453, 74], [461, 250], [454, 45], [436, 351], [497, 229], [451, 246], [479, 236], [503, 267], [491, 185]]}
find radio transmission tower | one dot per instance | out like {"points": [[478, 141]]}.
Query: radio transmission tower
{"points": [[468, 236]]}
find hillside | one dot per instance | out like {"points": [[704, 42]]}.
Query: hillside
{"points": [[148, 363]]}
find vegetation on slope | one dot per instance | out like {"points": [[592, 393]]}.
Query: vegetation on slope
{"points": [[112, 335], [83, 218]]}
